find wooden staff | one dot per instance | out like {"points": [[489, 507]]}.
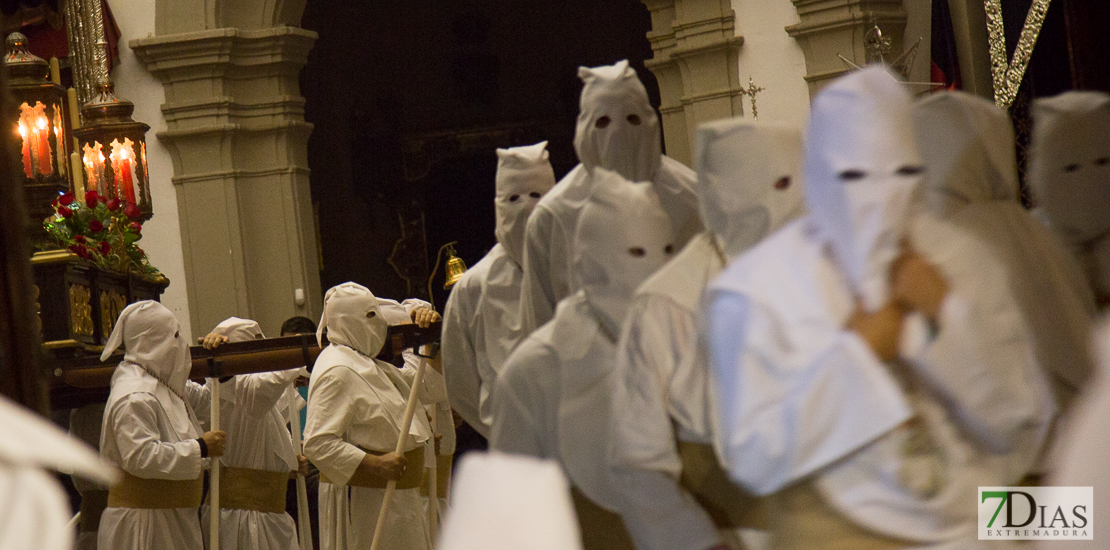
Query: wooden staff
{"points": [[214, 486], [304, 526], [433, 481], [390, 487]]}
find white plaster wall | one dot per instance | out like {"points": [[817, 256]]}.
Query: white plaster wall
{"points": [[772, 59], [162, 234]]}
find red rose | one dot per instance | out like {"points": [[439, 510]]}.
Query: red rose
{"points": [[64, 211], [104, 247], [96, 226], [135, 226], [66, 199], [92, 199], [75, 248], [112, 204], [132, 211], [82, 251], [80, 239], [54, 203]]}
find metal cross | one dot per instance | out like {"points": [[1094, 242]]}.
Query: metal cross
{"points": [[750, 92]]}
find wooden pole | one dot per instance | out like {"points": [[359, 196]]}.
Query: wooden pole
{"points": [[433, 482], [214, 486], [390, 487], [304, 524]]}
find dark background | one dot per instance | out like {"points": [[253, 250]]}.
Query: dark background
{"points": [[409, 101]]}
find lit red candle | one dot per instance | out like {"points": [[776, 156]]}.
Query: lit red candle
{"points": [[23, 133], [42, 132], [125, 167]]}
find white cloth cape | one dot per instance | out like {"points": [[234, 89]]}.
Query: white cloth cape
{"points": [[466, 364], [552, 400], [800, 396], [34, 511]]}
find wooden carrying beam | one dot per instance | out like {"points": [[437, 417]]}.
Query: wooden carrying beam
{"points": [[84, 380]]}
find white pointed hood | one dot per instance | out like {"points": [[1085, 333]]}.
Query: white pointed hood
{"points": [[967, 143], [239, 330], [617, 128], [156, 361], [749, 180], [508, 502], [861, 171], [622, 238], [1069, 164], [353, 318], [524, 175]]}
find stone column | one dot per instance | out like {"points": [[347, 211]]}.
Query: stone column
{"points": [[238, 139], [831, 27], [695, 62]]}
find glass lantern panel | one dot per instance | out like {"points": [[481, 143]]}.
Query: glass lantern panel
{"points": [[93, 159], [59, 141], [34, 131], [123, 166]]}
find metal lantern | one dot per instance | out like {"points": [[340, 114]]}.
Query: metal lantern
{"points": [[42, 124], [112, 147]]}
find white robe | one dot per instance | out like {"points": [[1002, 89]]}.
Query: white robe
{"points": [[465, 361], [250, 413], [139, 438], [553, 401], [662, 387], [549, 240], [358, 402], [802, 397]]}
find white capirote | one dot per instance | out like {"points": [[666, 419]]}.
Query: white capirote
{"points": [[617, 130]]}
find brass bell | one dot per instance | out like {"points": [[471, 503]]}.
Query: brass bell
{"points": [[455, 268]]}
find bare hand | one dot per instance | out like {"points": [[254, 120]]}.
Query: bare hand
{"points": [[424, 317], [390, 466], [216, 442], [302, 465], [881, 329], [917, 285], [212, 341]]}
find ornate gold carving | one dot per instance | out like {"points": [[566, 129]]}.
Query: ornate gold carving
{"points": [[111, 304], [1008, 73], [80, 310]]}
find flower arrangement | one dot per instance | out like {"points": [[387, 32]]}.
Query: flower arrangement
{"points": [[102, 231]]}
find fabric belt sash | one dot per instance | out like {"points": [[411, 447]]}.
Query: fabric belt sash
{"points": [[601, 529], [443, 477], [136, 492], [250, 489], [93, 504], [410, 479], [730, 506], [803, 520]]}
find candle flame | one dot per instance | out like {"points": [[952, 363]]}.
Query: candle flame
{"points": [[22, 130]]}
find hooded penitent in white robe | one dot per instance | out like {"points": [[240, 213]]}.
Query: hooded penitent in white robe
{"points": [[356, 404], [253, 412], [34, 510], [1069, 173], [617, 130], [84, 424], [150, 432], [748, 186], [971, 181], [859, 453], [510, 502], [553, 398], [524, 175]]}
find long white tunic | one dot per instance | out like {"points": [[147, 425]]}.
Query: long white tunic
{"points": [[139, 438], [465, 361], [662, 387], [356, 402], [258, 439], [549, 239], [801, 396], [553, 399]]}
